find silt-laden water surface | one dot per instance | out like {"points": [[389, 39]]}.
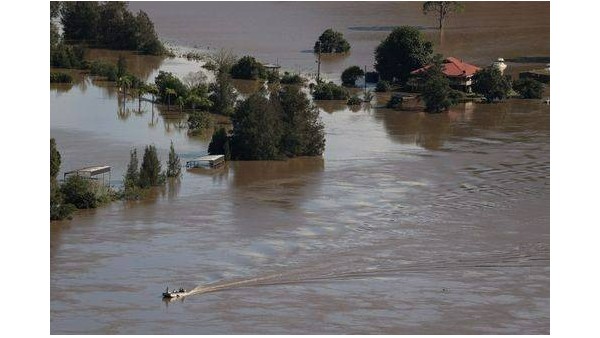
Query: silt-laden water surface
{"points": [[409, 223]]}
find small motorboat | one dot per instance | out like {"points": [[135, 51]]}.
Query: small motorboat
{"points": [[174, 293]]}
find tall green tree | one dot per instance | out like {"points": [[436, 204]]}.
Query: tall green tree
{"points": [[173, 164], [442, 9], [256, 129], [223, 96], [403, 51], [331, 41], [490, 83], [150, 171], [132, 175], [219, 144], [303, 132], [80, 20]]}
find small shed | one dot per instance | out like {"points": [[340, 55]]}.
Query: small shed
{"points": [[211, 161], [272, 68], [92, 173]]}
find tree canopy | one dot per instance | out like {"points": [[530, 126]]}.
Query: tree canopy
{"points": [[350, 75], [403, 51], [436, 92], [285, 124], [109, 24], [490, 83], [529, 88], [331, 41], [248, 68]]}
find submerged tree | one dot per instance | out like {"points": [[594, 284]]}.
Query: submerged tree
{"points": [[490, 83], [132, 174], [436, 92], [350, 75], [173, 164], [403, 51], [331, 41], [150, 171], [442, 9], [219, 144], [529, 88]]}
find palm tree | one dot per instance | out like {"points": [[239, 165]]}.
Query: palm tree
{"points": [[180, 101], [142, 89], [169, 92]]}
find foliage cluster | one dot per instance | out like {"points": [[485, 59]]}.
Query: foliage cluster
{"points": [[292, 79], [382, 86], [109, 24], [60, 77], [490, 83], [350, 75], [330, 91], [331, 41], [403, 51], [436, 93], [285, 124], [248, 68], [529, 88]]}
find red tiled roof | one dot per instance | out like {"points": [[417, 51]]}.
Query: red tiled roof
{"points": [[453, 67]]}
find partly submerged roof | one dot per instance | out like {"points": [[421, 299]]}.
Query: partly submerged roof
{"points": [[208, 158], [453, 67], [93, 170]]}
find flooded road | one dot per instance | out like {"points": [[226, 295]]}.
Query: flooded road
{"points": [[409, 224]]}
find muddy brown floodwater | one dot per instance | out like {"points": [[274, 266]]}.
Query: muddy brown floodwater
{"points": [[409, 223]]}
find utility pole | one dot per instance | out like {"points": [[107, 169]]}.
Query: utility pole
{"points": [[365, 79], [319, 64]]}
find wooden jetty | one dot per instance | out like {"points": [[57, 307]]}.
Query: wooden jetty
{"points": [[211, 161]]}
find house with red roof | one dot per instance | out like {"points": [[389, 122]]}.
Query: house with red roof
{"points": [[458, 72]]}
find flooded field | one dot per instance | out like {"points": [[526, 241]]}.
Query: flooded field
{"points": [[410, 223]]}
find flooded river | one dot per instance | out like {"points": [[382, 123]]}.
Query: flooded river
{"points": [[409, 224]]}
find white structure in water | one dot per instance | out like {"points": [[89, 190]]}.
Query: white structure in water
{"points": [[500, 65], [211, 161]]}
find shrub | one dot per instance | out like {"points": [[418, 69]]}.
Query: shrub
{"points": [[331, 41], [350, 75], [529, 88], [104, 69], [330, 91], [292, 79], [394, 102], [248, 68], [382, 86], [198, 121], [490, 83], [354, 100], [59, 77], [81, 192]]}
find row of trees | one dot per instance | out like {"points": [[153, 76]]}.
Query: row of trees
{"points": [[75, 193], [108, 24], [82, 193], [265, 127]]}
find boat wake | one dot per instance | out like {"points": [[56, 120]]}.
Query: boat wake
{"points": [[536, 255]]}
